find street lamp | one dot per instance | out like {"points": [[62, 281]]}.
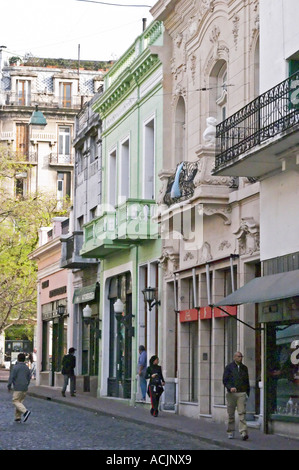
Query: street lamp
{"points": [[37, 119], [87, 312], [87, 315], [61, 310], [121, 318], [150, 296]]}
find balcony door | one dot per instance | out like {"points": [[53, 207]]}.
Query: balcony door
{"points": [[22, 141]]}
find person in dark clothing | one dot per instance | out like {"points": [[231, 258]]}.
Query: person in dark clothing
{"points": [[68, 366], [236, 381], [156, 384]]}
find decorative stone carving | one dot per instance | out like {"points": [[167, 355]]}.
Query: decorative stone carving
{"points": [[209, 135], [178, 62], [204, 253], [181, 184], [236, 21], [222, 211], [248, 236], [224, 244], [169, 261]]}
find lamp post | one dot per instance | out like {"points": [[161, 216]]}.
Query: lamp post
{"points": [[37, 120], [121, 318], [150, 296], [60, 310], [87, 314]]}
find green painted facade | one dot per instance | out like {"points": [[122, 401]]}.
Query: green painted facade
{"points": [[126, 233]]}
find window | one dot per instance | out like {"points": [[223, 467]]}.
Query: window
{"points": [[64, 144], [63, 187], [93, 213], [65, 95], [112, 186], [218, 93], [93, 148], [221, 98], [124, 174], [180, 120], [283, 369], [23, 92], [149, 160], [22, 140]]}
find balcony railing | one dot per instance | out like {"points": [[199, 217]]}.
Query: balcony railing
{"points": [[273, 112], [70, 252], [131, 222], [56, 159]]}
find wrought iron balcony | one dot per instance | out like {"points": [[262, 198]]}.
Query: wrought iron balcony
{"points": [[130, 223], [244, 141], [56, 159], [70, 252]]}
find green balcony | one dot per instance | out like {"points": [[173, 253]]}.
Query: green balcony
{"points": [[131, 223], [134, 218]]}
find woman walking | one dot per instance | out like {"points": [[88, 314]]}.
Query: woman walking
{"points": [[156, 383]]}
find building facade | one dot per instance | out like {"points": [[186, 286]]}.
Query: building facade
{"points": [[84, 273], [124, 235], [57, 94], [267, 150], [209, 223]]}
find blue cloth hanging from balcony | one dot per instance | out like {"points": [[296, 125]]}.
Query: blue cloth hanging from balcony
{"points": [[175, 190]]}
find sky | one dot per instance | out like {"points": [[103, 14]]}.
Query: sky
{"points": [[55, 28]]}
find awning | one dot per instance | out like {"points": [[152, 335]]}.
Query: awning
{"points": [[263, 289], [85, 294]]}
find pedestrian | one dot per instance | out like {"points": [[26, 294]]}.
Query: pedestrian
{"points": [[142, 362], [68, 366], [156, 384], [19, 378], [236, 381], [33, 363]]}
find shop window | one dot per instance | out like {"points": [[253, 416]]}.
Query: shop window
{"points": [[283, 369]]}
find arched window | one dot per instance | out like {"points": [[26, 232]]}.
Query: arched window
{"points": [[218, 91]]}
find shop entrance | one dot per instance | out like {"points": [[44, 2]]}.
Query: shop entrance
{"points": [[120, 341]]}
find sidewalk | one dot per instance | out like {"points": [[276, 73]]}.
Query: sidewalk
{"points": [[206, 431]]}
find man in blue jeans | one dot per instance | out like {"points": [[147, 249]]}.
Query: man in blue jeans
{"points": [[68, 366], [142, 364]]}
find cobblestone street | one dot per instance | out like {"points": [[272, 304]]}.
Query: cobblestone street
{"points": [[53, 426]]}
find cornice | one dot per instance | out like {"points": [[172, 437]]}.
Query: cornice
{"points": [[131, 78]]}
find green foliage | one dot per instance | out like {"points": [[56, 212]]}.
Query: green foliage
{"points": [[20, 220], [20, 332]]}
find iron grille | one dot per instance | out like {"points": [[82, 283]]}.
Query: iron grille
{"points": [[273, 112]]}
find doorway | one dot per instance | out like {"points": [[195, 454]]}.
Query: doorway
{"points": [[120, 339]]}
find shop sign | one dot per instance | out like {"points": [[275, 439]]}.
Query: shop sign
{"points": [[207, 312], [188, 315], [85, 294]]}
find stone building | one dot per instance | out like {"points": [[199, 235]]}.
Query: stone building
{"points": [[209, 223]]}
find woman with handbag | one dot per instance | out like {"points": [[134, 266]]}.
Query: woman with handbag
{"points": [[156, 383]]}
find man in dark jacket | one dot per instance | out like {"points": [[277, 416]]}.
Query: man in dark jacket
{"points": [[19, 378], [236, 381], [68, 366]]}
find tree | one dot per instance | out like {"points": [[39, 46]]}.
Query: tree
{"points": [[20, 220]]}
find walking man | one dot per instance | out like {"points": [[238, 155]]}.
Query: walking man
{"points": [[236, 381], [142, 363], [68, 366], [19, 378]]}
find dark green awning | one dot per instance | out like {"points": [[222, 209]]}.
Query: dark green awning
{"points": [[263, 289], [85, 294]]}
